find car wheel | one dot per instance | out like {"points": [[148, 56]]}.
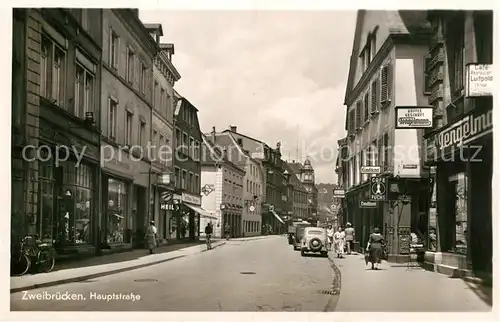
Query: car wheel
{"points": [[302, 253], [315, 244], [324, 254]]}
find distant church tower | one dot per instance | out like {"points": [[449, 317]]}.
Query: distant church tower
{"points": [[307, 178]]}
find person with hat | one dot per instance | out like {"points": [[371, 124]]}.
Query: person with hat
{"points": [[151, 235], [349, 237]]}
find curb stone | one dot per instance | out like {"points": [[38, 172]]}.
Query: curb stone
{"points": [[99, 274]]}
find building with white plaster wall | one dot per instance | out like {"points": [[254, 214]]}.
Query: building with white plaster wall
{"points": [[222, 189], [387, 70]]}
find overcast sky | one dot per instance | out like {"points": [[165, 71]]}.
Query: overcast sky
{"points": [[277, 76]]}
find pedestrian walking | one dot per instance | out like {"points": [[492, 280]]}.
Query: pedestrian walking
{"points": [[329, 234], [227, 231], [151, 235], [375, 248], [208, 235], [349, 237], [339, 239]]}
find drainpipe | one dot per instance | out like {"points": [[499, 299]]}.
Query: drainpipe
{"points": [[99, 229]]}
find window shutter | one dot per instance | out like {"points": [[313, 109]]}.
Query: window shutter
{"points": [[117, 60], [374, 94], [390, 79], [351, 121], [384, 95], [358, 114], [367, 106], [110, 47]]}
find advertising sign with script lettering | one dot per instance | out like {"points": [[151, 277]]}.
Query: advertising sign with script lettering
{"points": [[479, 80], [465, 131], [414, 117]]}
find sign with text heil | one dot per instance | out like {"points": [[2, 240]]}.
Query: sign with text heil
{"points": [[479, 80], [412, 117], [370, 169]]}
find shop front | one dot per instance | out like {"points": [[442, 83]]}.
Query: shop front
{"points": [[68, 189], [163, 206], [124, 200], [460, 214], [188, 214]]}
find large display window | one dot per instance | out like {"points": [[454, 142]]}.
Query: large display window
{"points": [[457, 186], [44, 226], [117, 210], [75, 225]]}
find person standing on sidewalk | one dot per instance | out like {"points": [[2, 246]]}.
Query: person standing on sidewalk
{"points": [[339, 239], [375, 247], [151, 235], [329, 234], [349, 237]]}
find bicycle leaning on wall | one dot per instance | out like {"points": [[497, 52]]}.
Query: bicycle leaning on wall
{"points": [[33, 255]]}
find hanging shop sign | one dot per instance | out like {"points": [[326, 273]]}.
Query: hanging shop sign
{"points": [[367, 169], [465, 131], [189, 198], [479, 80], [339, 193], [367, 204], [378, 188], [414, 117], [165, 178], [430, 149]]}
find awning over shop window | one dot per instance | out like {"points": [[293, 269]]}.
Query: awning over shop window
{"points": [[277, 217], [203, 213]]}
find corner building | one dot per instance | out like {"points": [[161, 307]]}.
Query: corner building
{"points": [[460, 146], [386, 71]]}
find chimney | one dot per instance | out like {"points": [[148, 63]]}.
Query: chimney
{"points": [[233, 128], [213, 135]]}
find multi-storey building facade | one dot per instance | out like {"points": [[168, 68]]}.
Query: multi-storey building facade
{"points": [[274, 199], [187, 170], [126, 97], [222, 183], [341, 168], [56, 108], [252, 182], [386, 71], [162, 133], [459, 147], [327, 210], [273, 188], [297, 195], [305, 173]]}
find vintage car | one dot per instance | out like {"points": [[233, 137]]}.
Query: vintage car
{"points": [[314, 240]]}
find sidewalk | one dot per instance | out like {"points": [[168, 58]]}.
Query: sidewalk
{"points": [[99, 266], [394, 287]]}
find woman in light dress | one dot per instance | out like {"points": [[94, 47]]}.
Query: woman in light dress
{"points": [[339, 239], [151, 236], [329, 234]]}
